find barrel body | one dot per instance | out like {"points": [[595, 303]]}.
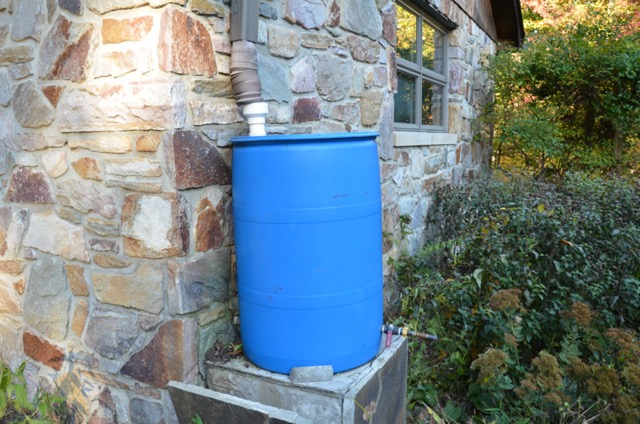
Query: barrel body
{"points": [[308, 237]]}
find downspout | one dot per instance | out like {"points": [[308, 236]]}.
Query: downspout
{"points": [[245, 81]]}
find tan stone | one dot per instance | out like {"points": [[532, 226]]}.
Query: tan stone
{"points": [[87, 168], [55, 163], [370, 107], [104, 6], [14, 267], [110, 261], [148, 142], [134, 105], [12, 55], [79, 319], [105, 144], [155, 226], [9, 303], [119, 30], [133, 167], [141, 290], [77, 282], [51, 234], [115, 63], [43, 351], [19, 286], [139, 186]]}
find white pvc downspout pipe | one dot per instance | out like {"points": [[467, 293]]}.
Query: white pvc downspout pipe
{"points": [[246, 85]]}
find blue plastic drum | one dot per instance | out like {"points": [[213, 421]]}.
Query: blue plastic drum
{"points": [[308, 236]]}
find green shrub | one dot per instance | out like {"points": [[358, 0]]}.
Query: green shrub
{"points": [[533, 290], [15, 406]]}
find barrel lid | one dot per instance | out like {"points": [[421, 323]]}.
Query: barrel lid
{"points": [[304, 138]]}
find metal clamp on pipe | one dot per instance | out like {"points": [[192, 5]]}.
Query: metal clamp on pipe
{"points": [[390, 330]]}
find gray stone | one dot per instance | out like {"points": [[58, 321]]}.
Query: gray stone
{"points": [[361, 17], [385, 140], [51, 234], [11, 349], [303, 77], [47, 299], [197, 283], [283, 42], [32, 141], [111, 333], [346, 112], [306, 13], [12, 227], [220, 331], [136, 105], [268, 11], [5, 88], [73, 6], [86, 196], [311, 374], [363, 50], [316, 41], [333, 77], [187, 398], [31, 108], [274, 78], [146, 412], [28, 19]]}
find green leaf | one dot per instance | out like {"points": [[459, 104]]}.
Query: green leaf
{"points": [[3, 404], [452, 411]]}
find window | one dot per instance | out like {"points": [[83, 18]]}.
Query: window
{"points": [[421, 99]]}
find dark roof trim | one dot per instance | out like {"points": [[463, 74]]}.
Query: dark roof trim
{"points": [[435, 14], [507, 15]]}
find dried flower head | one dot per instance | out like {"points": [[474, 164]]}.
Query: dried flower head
{"points": [[578, 370], [625, 340], [510, 340], [631, 374], [604, 381], [490, 364], [547, 371], [580, 312], [506, 299]]}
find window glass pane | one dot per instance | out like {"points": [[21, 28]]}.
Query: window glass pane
{"points": [[405, 99], [432, 103], [406, 47], [432, 48]]}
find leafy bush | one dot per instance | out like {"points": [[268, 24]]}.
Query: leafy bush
{"points": [[534, 292], [15, 406]]}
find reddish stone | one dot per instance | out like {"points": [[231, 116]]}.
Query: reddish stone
{"points": [[334, 14], [185, 45], [119, 30], [53, 93], [42, 351], [306, 109], [29, 186], [363, 50], [389, 24], [194, 162], [209, 233], [63, 57], [106, 413], [171, 355]]}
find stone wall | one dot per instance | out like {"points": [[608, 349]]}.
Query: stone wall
{"points": [[116, 238]]}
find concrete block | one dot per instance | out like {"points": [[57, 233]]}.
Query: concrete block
{"points": [[311, 374], [189, 400], [374, 392]]}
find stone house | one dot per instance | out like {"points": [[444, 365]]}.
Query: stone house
{"points": [[116, 238]]}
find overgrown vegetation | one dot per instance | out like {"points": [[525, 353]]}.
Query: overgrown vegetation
{"points": [[569, 99], [534, 292], [15, 406]]}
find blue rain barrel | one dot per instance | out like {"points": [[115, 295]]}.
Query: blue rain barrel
{"points": [[308, 238]]}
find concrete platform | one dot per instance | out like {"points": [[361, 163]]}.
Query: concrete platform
{"points": [[372, 393]]}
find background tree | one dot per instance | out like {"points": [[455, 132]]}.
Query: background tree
{"points": [[570, 98]]}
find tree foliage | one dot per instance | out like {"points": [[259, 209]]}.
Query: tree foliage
{"points": [[570, 98]]}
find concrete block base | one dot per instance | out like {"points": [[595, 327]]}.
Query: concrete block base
{"points": [[372, 393]]}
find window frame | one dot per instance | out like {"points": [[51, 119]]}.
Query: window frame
{"points": [[425, 74]]}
